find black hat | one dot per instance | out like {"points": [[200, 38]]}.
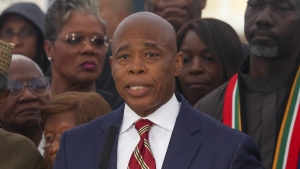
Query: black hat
{"points": [[29, 11]]}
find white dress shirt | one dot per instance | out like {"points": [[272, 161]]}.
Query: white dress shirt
{"points": [[160, 133], [42, 145]]}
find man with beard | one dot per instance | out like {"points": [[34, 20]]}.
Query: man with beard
{"points": [[28, 91], [262, 100]]}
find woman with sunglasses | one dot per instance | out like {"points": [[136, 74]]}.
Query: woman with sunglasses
{"points": [[28, 91], [76, 44]]}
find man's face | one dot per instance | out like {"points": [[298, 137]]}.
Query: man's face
{"points": [[177, 12], [272, 27], [21, 111], [143, 66]]}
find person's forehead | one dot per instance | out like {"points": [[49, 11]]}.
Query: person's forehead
{"points": [[65, 118], [22, 68], [15, 18], [142, 38], [78, 20], [145, 27]]}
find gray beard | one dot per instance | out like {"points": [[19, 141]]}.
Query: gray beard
{"points": [[264, 51]]}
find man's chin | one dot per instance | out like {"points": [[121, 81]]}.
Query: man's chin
{"points": [[28, 124], [264, 51]]}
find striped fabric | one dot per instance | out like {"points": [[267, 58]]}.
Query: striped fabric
{"points": [[142, 156]]}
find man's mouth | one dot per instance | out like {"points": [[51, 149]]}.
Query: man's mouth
{"points": [[136, 87]]}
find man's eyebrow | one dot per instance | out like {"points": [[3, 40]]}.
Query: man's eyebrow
{"points": [[151, 45], [121, 48], [146, 44]]}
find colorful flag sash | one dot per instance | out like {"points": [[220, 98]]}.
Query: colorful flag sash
{"points": [[288, 143], [231, 107]]}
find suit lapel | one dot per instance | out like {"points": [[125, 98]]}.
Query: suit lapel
{"points": [[114, 120], [184, 143], [185, 140]]}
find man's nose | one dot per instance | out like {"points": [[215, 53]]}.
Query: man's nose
{"points": [[15, 39], [137, 66], [265, 18]]}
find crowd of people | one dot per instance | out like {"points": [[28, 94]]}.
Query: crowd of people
{"points": [[93, 84]]}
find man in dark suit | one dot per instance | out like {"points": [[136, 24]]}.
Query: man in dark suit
{"points": [[144, 63]]}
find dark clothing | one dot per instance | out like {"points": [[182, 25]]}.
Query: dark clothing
{"points": [[113, 100], [106, 83], [34, 15], [264, 99], [197, 141]]}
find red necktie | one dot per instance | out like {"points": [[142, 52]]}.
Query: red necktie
{"points": [[142, 156]]}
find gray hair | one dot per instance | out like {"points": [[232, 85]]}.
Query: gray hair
{"points": [[60, 10], [3, 82]]}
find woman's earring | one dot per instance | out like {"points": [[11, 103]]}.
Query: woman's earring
{"points": [[49, 58]]}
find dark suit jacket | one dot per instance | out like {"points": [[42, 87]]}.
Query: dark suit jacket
{"points": [[197, 141]]}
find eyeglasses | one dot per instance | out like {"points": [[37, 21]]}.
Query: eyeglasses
{"points": [[23, 34], [76, 41], [37, 86]]}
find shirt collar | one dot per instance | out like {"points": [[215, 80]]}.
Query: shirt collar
{"points": [[165, 116]]}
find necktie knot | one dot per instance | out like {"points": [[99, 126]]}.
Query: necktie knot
{"points": [[143, 126]]}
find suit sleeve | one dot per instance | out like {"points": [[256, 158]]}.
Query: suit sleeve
{"points": [[60, 159], [246, 155]]}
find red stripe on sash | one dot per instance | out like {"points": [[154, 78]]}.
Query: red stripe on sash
{"points": [[227, 106], [292, 161]]}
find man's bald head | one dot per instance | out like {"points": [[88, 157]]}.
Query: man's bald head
{"points": [[147, 23], [145, 61], [18, 61]]}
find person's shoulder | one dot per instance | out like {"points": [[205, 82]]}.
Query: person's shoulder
{"points": [[221, 137], [212, 131], [212, 103], [87, 138], [15, 140], [210, 124], [206, 123], [18, 151], [217, 94], [218, 141], [96, 125]]}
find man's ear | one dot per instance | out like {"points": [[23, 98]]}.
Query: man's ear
{"points": [[3, 97], [202, 4], [48, 47], [178, 63]]}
